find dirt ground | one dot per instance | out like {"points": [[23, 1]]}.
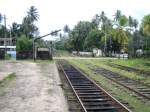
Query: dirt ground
{"points": [[36, 88]]}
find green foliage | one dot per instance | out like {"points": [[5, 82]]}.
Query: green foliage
{"points": [[24, 44], [59, 45], [33, 14], [1, 18], [28, 26], [79, 34], [66, 29], [123, 20], [93, 39], [121, 37], [117, 15], [146, 24]]}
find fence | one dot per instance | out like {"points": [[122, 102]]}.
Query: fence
{"points": [[24, 55]]}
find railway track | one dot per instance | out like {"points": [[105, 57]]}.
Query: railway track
{"points": [[130, 69], [91, 97], [142, 90]]}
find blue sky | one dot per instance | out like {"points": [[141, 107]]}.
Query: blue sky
{"points": [[54, 14]]}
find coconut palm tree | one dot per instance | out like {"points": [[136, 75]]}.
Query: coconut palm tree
{"points": [[117, 15], [123, 20], [66, 29], [96, 21], [33, 14], [1, 18], [146, 29], [106, 26], [121, 37], [135, 24], [130, 21], [146, 24], [28, 27]]}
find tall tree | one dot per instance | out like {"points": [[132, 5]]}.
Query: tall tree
{"points": [[130, 23], [33, 14], [117, 15], [121, 38], [66, 29], [123, 20], [146, 24], [79, 34], [135, 23], [93, 40], [104, 25], [119, 35], [15, 30], [96, 21], [28, 27], [1, 18], [146, 30]]}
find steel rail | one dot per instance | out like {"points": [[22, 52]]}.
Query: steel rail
{"points": [[120, 82], [114, 102]]}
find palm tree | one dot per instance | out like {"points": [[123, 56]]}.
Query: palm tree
{"points": [[117, 15], [1, 18], [15, 30], [103, 27], [66, 29], [121, 37], [106, 26], [28, 27], [123, 20], [135, 23], [103, 18], [96, 21], [146, 24], [146, 28], [130, 23], [33, 14]]}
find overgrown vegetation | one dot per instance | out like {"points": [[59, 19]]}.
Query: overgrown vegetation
{"points": [[143, 64], [24, 44]]}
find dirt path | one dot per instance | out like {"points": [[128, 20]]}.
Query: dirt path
{"points": [[36, 89]]}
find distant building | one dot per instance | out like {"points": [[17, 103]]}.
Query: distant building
{"points": [[8, 45], [7, 42]]}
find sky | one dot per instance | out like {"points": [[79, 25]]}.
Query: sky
{"points": [[54, 14]]}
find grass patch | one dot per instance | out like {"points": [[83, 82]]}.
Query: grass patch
{"points": [[5, 82], [7, 79], [117, 91], [143, 64]]}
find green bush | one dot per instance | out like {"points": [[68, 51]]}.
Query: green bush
{"points": [[24, 44]]}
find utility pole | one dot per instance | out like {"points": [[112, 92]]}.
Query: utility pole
{"points": [[5, 42]]}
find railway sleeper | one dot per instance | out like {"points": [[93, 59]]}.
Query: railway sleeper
{"points": [[102, 109]]}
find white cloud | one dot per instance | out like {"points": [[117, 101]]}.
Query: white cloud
{"points": [[54, 14]]}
